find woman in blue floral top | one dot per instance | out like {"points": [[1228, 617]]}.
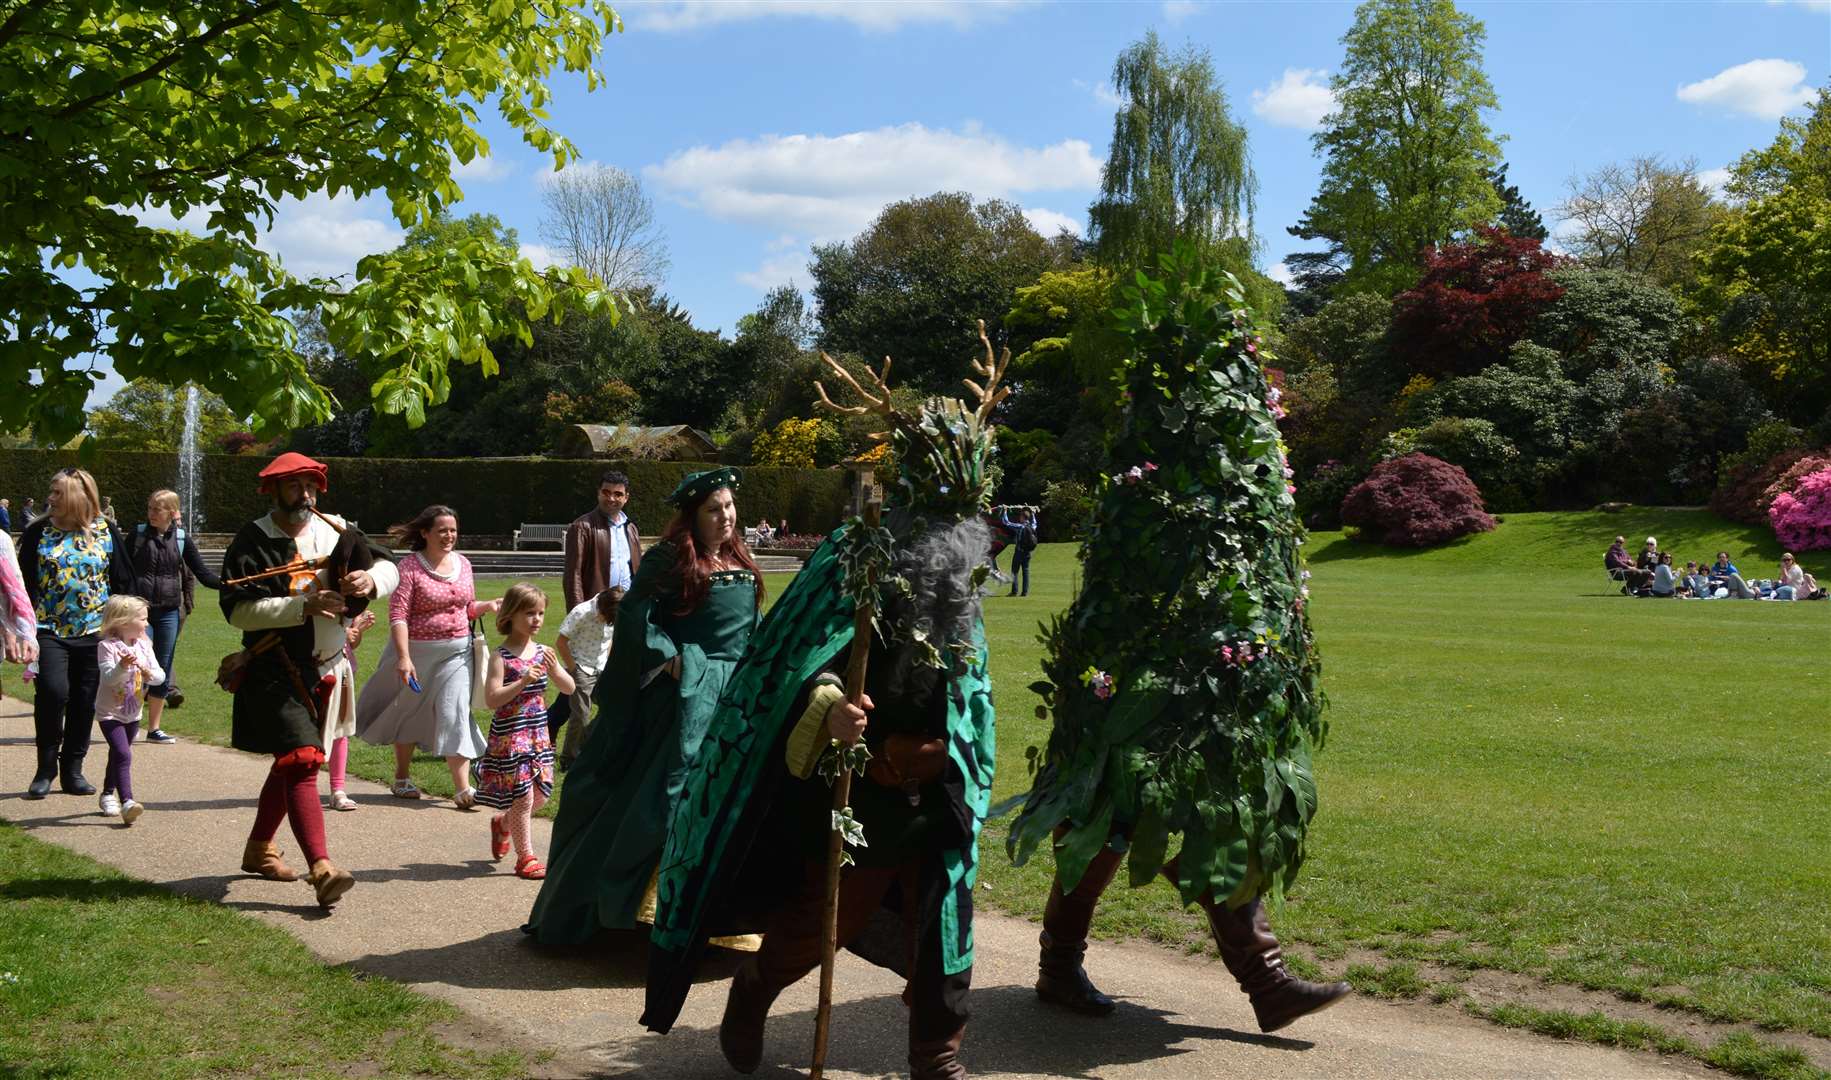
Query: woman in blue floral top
{"points": [[72, 560]]}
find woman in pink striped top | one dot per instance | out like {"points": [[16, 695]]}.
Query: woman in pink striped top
{"points": [[420, 693]]}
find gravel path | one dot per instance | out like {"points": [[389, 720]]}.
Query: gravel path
{"points": [[430, 911]]}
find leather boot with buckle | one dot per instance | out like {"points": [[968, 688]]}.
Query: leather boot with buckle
{"points": [[1061, 979], [740, 1033], [1253, 956], [938, 1059], [329, 883], [263, 857]]}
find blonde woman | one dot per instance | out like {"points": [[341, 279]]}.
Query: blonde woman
{"points": [[72, 560], [158, 553]]}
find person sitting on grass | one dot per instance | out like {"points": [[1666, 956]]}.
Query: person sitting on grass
{"points": [[1665, 580], [1724, 575], [1696, 584], [1622, 568], [1791, 584]]}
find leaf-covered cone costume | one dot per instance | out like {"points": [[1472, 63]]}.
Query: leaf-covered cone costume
{"points": [[747, 848], [1182, 684]]}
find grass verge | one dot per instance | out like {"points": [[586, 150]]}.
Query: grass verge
{"points": [[106, 975]]}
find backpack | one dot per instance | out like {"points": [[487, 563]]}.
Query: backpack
{"points": [[140, 529], [1026, 537]]}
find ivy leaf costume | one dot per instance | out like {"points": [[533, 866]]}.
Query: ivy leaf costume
{"points": [[1182, 684]]}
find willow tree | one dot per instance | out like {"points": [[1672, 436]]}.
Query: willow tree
{"points": [[1179, 169]]}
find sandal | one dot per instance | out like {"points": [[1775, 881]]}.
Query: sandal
{"points": [[341, 801], [404, 788], [465, 799], [530, 868], [499, 837]]}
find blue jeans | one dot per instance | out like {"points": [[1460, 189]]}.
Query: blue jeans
{"points": [[1020, 566], [163, 624]]}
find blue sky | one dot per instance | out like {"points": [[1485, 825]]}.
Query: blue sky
{"points": [[760, 128]]}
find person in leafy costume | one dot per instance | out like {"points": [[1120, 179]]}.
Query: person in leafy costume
{"points": [[747, 847], [1182, 684]]}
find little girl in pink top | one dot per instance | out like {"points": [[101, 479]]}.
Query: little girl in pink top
{"points": [[128, 669]]}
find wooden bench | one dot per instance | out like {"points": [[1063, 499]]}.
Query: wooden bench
{"points": [[538, 534]]}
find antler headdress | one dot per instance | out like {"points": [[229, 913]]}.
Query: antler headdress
{"points": [[944, 452]]}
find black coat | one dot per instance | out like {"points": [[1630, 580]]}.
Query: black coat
{"points": [[120, 573], [158, 562]]}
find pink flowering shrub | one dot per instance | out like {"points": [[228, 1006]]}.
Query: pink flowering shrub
{"points": [[1415, 501], [1802, 517]]}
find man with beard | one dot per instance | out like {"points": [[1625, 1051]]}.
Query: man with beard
{"points": [[747, 848], [292, 579]]}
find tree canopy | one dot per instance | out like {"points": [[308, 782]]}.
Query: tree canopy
{"points": [[1644, 216], [120, 117], [1407, 155]]}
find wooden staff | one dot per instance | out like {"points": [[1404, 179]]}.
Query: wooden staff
{"points": [[842, 799]]}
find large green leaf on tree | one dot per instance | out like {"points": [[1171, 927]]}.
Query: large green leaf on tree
{"points": [[117, 114]]}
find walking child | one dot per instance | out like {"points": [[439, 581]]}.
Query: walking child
{"points": [[340, 746], [515, 773], [128, 669]]}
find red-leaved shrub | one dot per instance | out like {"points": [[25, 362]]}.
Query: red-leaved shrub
{"points": [[1746, 492], [1415, 501], [1802, 516]]}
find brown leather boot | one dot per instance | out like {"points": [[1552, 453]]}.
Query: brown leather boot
{"points": [[1060, 977], [1252, 954], [329, 882], [740, 1033], [263, 857], [937, 1060]]}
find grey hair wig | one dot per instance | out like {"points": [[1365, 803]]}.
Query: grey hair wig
{"points": [[942, 605]]}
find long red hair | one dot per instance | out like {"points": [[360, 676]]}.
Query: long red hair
{"points": [[693, 567]]}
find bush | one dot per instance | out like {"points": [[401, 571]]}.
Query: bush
{"points": [[1473, 445], [1319, 498], [1802, 517], [1746, 492], [1415, 501], [1067, 506]]}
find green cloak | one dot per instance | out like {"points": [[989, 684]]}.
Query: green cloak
{"points": [[720, 860]]}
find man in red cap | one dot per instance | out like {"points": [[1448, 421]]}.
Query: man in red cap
{"points": [[292, 580]]}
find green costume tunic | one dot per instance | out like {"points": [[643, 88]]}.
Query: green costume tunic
{"points": [[742, 825], [620, 793]]}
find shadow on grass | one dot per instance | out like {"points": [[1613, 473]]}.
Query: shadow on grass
{"points": [[1342, 548], [83, 890], [1011, 1032]]}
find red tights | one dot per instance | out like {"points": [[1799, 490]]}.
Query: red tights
{"points": [[291, 792]]}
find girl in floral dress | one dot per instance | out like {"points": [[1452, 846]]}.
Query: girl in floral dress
{"points": [[515, 773]]}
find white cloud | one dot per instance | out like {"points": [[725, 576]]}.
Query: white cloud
{"points": [[790, 269], [1300, 98], [317, 236], [1281, 274], [1809, 5], [1103, 92], [483, 169], [875, 16], [541, 256], [1712, 180], [1050, 222], [1178, 10], [1765, 88], [828, 187], [323, 237]]}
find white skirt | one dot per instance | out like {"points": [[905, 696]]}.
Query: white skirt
{"points": [[438, 719]]}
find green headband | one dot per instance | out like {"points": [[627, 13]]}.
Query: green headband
{"points": [[695, 485]]}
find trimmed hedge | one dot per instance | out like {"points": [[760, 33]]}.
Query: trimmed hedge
{"points": [[491, 495]]}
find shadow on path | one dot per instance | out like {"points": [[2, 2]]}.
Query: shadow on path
{"points": [[509, 960]]}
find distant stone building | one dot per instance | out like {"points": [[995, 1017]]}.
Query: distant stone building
{"points": [[676, 443]]}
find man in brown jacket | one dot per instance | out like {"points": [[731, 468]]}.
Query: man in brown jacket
{"points": [[602, 547]]}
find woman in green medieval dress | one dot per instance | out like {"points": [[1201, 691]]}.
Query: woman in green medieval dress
{"points": [[684, 624]]}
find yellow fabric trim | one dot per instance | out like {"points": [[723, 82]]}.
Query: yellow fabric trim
{"points": [[809, 739]]}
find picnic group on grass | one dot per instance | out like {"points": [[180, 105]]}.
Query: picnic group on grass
{"points": [[699, 803], [1655, 573]]}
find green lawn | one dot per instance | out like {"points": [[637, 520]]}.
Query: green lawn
{"points": [[1526, 771], [104, 975]]}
